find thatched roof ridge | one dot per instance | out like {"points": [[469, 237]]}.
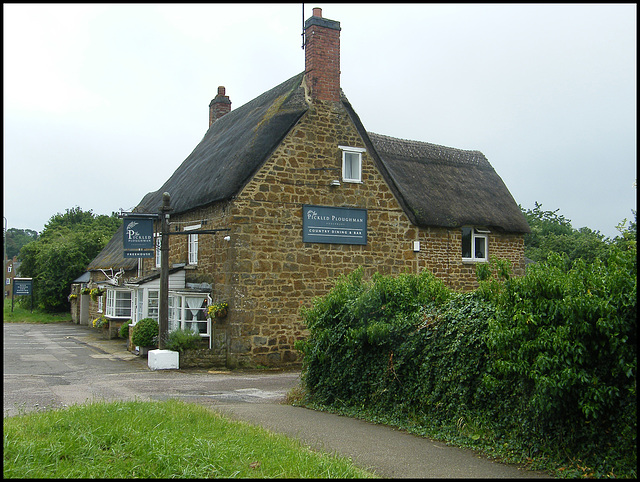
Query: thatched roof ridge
{"points": [[232, 150], [418, 150]]}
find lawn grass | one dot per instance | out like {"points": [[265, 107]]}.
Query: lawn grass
{"points": [[25, 315], [156, 440]]}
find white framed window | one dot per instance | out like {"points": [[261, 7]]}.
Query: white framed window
{"points": [[158, 238], [100, 304], [192, 246], [9, 268], [475, 244], [118, 304], [189, 312], [352, 163]]}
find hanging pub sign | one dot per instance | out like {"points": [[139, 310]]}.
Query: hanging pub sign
{"points": [[325, 224], [138, 233]]}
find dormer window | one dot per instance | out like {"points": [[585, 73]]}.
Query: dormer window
{"points": [[475, 242], [351, 163]]}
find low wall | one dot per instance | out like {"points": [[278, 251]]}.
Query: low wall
{"points": [[202, 358]]}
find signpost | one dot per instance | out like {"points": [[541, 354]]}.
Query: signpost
{"points": [[22, 287], [138, 243]]}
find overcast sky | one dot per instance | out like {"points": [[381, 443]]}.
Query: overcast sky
{"points": [[102, 102]]}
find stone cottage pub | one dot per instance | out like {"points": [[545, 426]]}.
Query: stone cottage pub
{"points": [[305, 194]]}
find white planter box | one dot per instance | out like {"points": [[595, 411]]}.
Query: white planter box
{"points": [[163, 360]]}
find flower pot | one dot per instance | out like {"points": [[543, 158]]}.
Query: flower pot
{"points": [[221, 313]]}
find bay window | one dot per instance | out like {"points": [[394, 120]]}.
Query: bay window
{"points": [[188, 311], [118, 303]]}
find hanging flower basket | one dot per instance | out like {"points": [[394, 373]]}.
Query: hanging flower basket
{"points": [[96, 293], [218, 310], [85, 291]]}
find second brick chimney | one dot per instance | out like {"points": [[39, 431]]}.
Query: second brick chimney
{"points": [[219, 106], [322, 56]]}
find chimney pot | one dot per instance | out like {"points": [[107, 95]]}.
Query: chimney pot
{"points": [[219, 106], [317, 12]]}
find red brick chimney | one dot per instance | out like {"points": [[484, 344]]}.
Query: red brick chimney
{"points": [[219, 106], [322, 56]]}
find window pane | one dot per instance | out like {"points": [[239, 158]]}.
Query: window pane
{"points": [[175, 309], [152, 305], [351, 166], [466, 242], [123, 303], [481, 247], [348, 166]]}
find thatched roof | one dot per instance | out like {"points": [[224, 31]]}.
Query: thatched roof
{"points": [[443, 186], [232, 150]]}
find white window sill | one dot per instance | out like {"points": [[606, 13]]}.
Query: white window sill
{"points": [[474, 261]]}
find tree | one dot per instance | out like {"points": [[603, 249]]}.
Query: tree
{"points": [[65, 247], [552, 233], [17, 238]]}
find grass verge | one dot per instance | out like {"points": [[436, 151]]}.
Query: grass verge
{"points": [[168, 439], [25, 315]]}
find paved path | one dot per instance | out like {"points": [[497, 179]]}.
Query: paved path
{"points": [[56, 365]]}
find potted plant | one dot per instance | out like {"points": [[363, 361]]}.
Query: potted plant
{"points": [[85, 291], [218, 310], [96, 293], [145, 335]]}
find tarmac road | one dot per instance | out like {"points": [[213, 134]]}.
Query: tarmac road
{"points": [[56, 365]]}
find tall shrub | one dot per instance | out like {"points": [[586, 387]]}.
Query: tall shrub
{"points": [[563, 347], [356, 327]]}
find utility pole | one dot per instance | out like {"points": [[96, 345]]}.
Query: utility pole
{"points": [[163, 314]]}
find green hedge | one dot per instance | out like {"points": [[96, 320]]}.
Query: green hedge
{"points": [[546, 361]]}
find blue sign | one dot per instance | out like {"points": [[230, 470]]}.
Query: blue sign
{"points": [[325, 224], [22, 286], [138, 233]]}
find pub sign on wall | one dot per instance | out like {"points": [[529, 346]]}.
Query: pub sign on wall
{"points": [[326, 224]]}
